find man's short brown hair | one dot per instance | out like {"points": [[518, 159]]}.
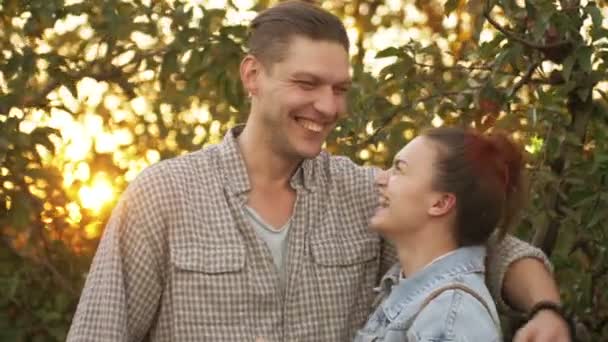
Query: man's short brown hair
{"points": [[271, 31]]}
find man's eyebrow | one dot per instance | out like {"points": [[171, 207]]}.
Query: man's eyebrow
{"points": [[315, 78], [345, 84]]}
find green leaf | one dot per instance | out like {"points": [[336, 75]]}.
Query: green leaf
{"points": [[28, 63], [567, 67], [169, 66], [585, 201], [603, 94], [450, 6], [41, 136], [12, 65], [389, 52], [598, 33], [595, 14], [599, 215], [583, 93], [583, 57], [23, 140], [71, 85], [20, 213], [488, 49], [14, 285]]}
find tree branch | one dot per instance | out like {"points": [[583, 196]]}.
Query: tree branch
{"points": [[524, 79], [60, 280], [455, 67], [521, 40], [390, 118]]}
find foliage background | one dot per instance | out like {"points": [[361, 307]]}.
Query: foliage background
{"points": [[91, 92]]}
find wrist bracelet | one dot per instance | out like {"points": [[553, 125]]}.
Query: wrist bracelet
{"points": [[556, 308], [547, 305]]}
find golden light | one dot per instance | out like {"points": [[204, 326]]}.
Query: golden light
{"points": [[214, 129], [409, 134], [152, 156], [395, 99], [74, 215], [535, 145], [92, 230], [199, 135], [105, 143], [243, 4], [139, 105], [369, 128], [95, 196], [93, 123], [437, 121], [80, 145], [82, 172], [91, 91], [123, 137], [8, 185], [364, 154]]}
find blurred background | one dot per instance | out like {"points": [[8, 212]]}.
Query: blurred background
{"points": [[92, 92]]}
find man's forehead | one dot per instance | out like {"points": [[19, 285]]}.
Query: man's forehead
{"points": [[308, 55]]}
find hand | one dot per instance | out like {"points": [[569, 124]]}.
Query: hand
{"points": [[545, 326]]}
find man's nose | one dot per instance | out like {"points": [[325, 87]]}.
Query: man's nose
{"points": [[327, 101], [381, 178]]}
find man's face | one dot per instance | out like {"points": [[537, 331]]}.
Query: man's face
{"points": [[300, 98]]}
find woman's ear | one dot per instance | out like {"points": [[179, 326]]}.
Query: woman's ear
{"points": [[250, 70], [443, 204]]}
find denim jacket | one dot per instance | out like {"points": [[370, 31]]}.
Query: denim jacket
{"points": [[464, 313]]}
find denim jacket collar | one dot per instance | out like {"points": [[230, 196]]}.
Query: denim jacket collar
{"points": [[462, 261]]}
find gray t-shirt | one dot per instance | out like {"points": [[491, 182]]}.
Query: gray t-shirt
{"points": [[275, 239]]}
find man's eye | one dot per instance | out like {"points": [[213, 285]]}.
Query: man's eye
{"points": [[305, 84], [341, 90]]}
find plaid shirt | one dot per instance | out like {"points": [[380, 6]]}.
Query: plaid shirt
{"points": [[178, 261]]}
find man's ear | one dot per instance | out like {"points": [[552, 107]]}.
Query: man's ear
{"points": [[250, 70], [443, 204]]}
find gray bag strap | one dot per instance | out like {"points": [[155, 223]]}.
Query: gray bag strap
{"points": [[440, 290]]}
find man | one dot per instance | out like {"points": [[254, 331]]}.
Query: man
{"points": [[264, 236]]}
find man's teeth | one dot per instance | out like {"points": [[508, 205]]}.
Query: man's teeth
{"points": [[311, 125], [383, 202]]}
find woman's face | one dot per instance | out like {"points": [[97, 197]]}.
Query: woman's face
{"points": [[406, 193]]}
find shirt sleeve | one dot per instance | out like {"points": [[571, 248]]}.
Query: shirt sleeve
{"points": [[122, 291], [501, 255]]}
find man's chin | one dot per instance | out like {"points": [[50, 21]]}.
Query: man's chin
{"points": [[375, 223], [309, 152]]}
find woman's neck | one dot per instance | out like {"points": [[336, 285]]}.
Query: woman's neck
{"points": [[420, 249]]}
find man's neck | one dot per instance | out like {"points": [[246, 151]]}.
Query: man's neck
{"points": [[419, 250], [265, 167]]}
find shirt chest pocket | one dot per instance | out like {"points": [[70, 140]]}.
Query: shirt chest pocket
{"points": [[209, 283], [346, 271], [334, 252]]}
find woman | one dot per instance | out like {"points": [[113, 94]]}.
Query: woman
{"points": [[446, 193]]}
